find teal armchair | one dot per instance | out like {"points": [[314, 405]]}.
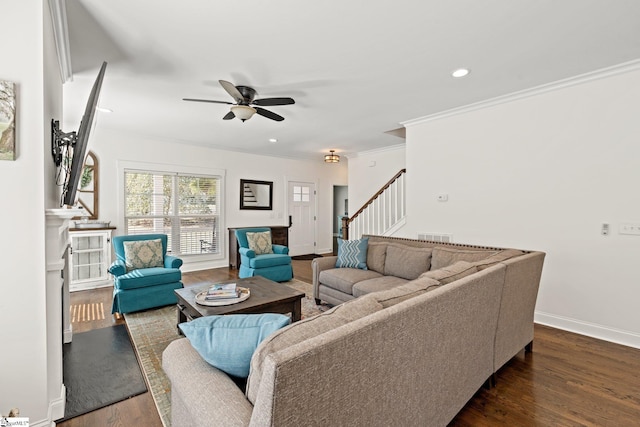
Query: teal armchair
{"points": [[275, 266], [143, 288]]}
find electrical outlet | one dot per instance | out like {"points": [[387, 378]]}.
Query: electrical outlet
{"points": [[443, 197], [605, 229], [630, 228]]}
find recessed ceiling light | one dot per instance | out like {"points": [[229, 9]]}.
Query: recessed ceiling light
{"points": [[104, 110], [273, 140], [460, 72]]}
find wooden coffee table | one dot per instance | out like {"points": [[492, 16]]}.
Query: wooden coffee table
{"points": [[267, 296]]}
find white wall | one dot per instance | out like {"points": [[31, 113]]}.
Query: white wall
{"points": [[544, 172], [370, 170], [113, 147], [26, 191]]}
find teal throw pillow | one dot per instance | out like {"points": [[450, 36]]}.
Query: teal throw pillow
{"points": [[352, 253], [228, 342]]}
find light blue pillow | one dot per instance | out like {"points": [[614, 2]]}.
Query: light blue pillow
{"points": [[228, 342], [352, 253]]}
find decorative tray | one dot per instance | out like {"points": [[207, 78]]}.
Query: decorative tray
{"points": [[92, 224], [244, 294]]}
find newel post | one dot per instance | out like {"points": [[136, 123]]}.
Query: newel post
{"points": [[345, 228]]}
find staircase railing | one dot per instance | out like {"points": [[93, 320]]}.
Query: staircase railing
{"points": [[382, 214]]}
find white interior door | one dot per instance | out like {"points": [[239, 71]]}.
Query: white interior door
{"points": [[302, 209]]}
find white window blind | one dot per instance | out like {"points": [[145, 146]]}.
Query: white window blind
{"points": [[184, 207]]}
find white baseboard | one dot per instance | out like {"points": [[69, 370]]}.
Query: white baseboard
{"points": [[55, 411], [618, 336], [322, 251], [190, 266]]}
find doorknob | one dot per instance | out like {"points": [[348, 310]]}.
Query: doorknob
{"points": [[290, 221]]}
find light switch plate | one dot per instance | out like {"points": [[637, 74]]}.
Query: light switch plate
{"points": [[630, 228]]}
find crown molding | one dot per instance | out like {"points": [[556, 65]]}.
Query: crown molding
{"points": [[375, 151], [61, 35], [625, 67]]}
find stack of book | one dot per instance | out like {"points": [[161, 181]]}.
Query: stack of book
{"points": [[222, 291]]}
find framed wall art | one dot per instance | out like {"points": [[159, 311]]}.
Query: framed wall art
{"points": [[7, 120]]}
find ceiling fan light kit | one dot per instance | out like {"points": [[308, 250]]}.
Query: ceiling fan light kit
{"points": [[243, 112], [244, 102], [332, 157]]}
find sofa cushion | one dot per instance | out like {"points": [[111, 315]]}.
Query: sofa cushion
{"points": [[376, 254], [452, 272], [269, 260], [406, 262], [260, 242], [343, 279], [144, 277], [303, 330], [228, 342], [497, 257], [143, 254], [352, 253], [443, 257], [378, 284], [403, 292]]}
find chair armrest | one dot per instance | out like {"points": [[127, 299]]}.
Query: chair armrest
{"points": [[249, 253], [280, 249], [172, 262], [318, 265], [118, 268]]}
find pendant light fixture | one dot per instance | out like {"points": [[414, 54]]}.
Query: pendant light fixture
{"points": [[332, 157]]}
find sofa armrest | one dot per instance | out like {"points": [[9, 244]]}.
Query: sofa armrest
{"points": [[201, 394], [317, 266], [171, 261], [279, 249], [249, 253], [118, 268]]}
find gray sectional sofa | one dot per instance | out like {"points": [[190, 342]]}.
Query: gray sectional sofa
{"points": [[409, 341]]}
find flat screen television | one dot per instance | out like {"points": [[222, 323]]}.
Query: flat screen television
{"points": [[74, 173]]}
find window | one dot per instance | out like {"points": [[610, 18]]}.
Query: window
{"points": [[300, 194], [185, 207]]}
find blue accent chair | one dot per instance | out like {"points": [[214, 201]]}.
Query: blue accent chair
{"points": [[143, 288], [275, 266]]}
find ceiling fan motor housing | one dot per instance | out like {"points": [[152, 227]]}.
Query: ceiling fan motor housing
{"points": [[248, 93]]}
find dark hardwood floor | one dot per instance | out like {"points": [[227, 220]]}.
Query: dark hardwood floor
{"points": [[568, 379]]}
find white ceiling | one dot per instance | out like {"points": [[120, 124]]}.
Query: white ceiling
{"points": [[356, 69]]}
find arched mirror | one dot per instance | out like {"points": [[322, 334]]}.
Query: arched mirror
{"points": [[88, 186]]}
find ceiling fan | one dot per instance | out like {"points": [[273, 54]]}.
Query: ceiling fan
{"points": [[246, 106]]}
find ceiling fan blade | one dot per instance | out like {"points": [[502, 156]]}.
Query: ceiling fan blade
{"points": [[232, 90], [269, 114], [273, 101], [229, 116], [207, 100]]}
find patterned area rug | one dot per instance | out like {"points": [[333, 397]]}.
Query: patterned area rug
{"points": [[153, 330]]}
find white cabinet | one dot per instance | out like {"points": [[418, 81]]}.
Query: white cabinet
{"points": [[90, 258]]}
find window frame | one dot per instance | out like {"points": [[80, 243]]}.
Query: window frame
{"points": [[177, 170]]}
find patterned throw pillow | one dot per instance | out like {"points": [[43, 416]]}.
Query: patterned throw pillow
{"points": [[260, 242], [143, 254], [352, 253]]}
